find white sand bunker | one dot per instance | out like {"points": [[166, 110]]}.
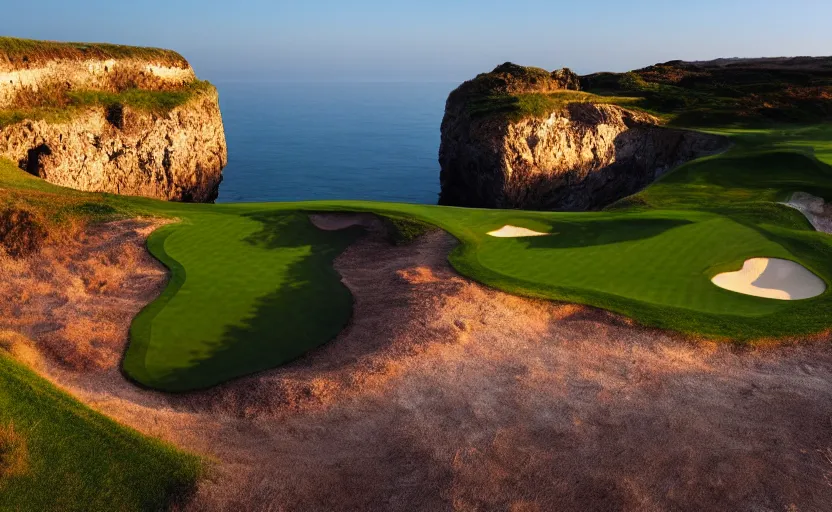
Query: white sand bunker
{"points": [[772, 278], [509, 231]]}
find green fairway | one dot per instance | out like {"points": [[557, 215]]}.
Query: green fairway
{"points": [[253, 287], [67, 457]]}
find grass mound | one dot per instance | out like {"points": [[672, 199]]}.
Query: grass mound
{"points": [[403, 231], [56, 454], [159, 102], [734, 93]]}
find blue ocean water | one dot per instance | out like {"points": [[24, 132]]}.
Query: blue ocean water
{"points": [[300, 141]]}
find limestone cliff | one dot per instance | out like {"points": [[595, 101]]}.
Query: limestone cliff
{"points": [[173, 152], [578, 156]]}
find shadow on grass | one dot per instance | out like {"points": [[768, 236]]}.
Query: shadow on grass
{"points": [[310, 308], [602, 232], [742, 177]]}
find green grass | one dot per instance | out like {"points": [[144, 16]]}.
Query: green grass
{"points": [[744, 96], [78, 460], [249, 292], [404, 231], [51, 114], [539, 105], [160, 102], [71, 103]]}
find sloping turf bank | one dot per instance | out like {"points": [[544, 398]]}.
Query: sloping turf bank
{"points": [[56, 454]]}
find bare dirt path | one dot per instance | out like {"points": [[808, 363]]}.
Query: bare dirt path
{"points": [[445, 395]]}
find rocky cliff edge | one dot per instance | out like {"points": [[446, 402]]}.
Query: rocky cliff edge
{"points": [[108, 118], [527, 138]]}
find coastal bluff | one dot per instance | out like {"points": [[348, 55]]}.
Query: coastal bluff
{"points": [[109, 118], [525, 138]]}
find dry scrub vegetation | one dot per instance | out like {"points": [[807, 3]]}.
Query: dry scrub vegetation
{"points": [[21, 233], [445, 395], [14, 456], [70, 295], [30, 52]]}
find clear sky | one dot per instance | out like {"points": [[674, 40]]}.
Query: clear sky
{"points": [[430, 40]]}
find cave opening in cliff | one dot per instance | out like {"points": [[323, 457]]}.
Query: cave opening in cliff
{"points": [[32, 163], [115, 115]]}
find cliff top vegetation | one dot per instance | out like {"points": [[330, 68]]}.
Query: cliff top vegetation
{"points": [[60, 105], [537, 104], [31, 52], [725, 92]]}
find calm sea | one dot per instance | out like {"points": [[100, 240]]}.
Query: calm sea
{"points": [[298, 141]]}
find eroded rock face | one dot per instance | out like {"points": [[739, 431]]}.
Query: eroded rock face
{"points": [[581, 157], [18, 79], [177, 156]]}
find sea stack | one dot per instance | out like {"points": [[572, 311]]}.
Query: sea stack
{"points": [[526, 138], [107, 118]]}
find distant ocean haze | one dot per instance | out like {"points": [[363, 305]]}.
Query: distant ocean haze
{"points": [[303, 141]]}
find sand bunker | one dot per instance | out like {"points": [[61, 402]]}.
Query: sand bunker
{"points": [[813, 208], [509, 231], [772, 278]]}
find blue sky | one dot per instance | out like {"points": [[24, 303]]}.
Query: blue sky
{"points": [[430, 40]]}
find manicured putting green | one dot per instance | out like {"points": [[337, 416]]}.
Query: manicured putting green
{"points": [[249, 292]]}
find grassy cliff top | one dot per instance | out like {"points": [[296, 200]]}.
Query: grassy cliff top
{"points": [[30, 51], [516, 92], [515, 107], [727, 92], [724, 92], [510, 78]]}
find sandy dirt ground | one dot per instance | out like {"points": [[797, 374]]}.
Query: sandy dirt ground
{"points": [[814, 208], [445, 395]]}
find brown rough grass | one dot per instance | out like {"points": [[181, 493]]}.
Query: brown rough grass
{"points": [[30, 52], [70, 296], [14, 455], [21, 232], [445, 395]]}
